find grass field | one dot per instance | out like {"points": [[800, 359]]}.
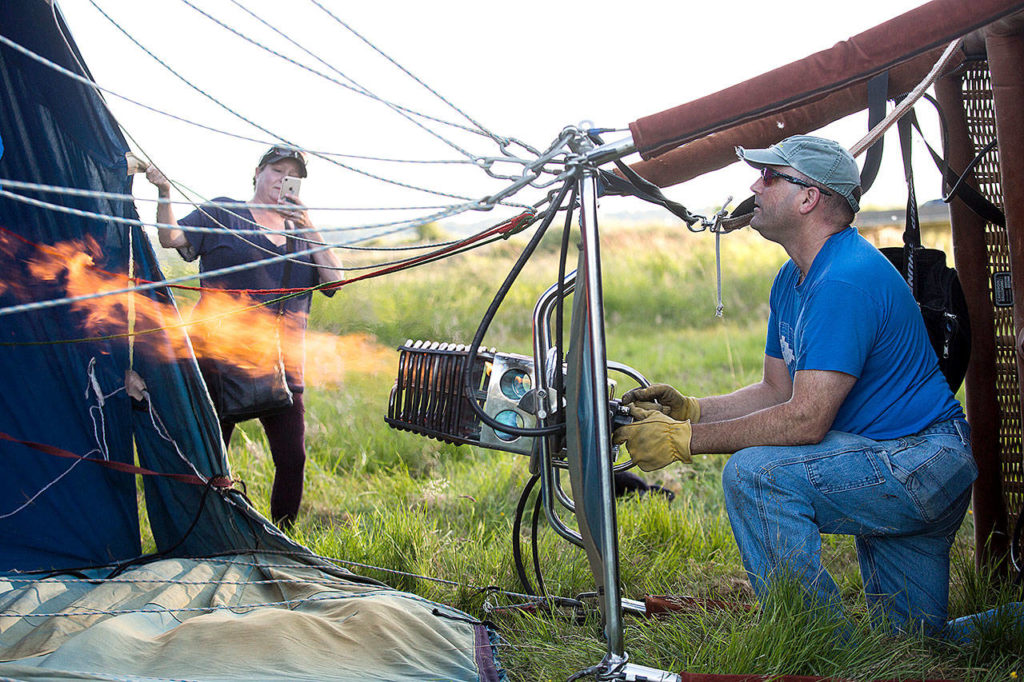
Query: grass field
{"points": [[401, 502]]}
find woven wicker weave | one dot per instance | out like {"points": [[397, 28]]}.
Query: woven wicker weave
{"points": [[981, 124]]}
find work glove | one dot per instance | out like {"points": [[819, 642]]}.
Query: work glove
{"points": [[669, 401], [654, 439]]}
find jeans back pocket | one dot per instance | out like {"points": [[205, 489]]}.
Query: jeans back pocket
{"points": [[933, 475]]}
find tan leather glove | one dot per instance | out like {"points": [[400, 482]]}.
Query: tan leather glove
{"points": [[668, 401], [654, 440]]}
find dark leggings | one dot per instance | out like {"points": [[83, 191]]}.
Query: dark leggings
{"points": [[286, 434]]}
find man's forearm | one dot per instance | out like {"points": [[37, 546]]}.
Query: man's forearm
{"points": [[785, 424], [742, 402], [804, 417]]}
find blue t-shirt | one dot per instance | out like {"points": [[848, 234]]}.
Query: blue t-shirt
{"points": [[217, 250], [855, 314]]}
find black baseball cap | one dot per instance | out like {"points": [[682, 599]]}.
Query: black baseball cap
{"points": [[276, 153]]}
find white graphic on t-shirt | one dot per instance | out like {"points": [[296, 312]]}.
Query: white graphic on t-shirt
{"points": [[787, 351]]}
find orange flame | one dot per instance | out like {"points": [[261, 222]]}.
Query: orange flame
{"points": [[227, 327]]}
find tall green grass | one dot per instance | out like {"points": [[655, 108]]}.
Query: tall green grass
{"points": [[416, 507]]}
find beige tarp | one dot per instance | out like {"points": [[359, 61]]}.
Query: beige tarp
{"points": [[241, 618]]}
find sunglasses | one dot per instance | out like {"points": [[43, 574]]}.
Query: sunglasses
{"points": [[279, 153], [768, 174]]}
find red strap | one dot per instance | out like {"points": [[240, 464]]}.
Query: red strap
{"points": [[510, 226], [222, 482]]}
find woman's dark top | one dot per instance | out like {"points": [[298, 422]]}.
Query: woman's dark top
{"points": [[225, 249]]}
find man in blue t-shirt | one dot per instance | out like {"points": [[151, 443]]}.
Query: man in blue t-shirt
{"points": [[852, 429]]}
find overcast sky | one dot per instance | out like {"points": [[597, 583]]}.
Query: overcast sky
{"points": [[523, 70]]}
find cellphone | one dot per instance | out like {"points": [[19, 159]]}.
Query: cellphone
{"points": [[290, 185]]}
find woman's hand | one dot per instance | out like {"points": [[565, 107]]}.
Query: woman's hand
{"points": [[168, 232], [158, 179], [293, 209]]}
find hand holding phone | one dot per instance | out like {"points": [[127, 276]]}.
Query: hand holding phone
{"points": [[291, 208], [290, 185]]}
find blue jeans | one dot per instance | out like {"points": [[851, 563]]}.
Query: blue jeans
{"points": [[903, 500]]}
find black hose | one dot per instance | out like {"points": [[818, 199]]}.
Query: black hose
{"points": [[535, 546], [496, 302], [559, 308], [517, 525]]}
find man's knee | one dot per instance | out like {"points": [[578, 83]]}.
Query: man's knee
{"points": [[746, 466], [742, 474]]}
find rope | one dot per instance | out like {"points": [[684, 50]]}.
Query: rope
{"points": [[118, 196], [503, 142], [38, 305], [480, 161], [361, 90], [96, 415], [106, 217], [74, 191], [260, 127], [492, 231], [474, 241], [153, 608], [172, 581], [192, 122], [366, 92], [390, 571]]}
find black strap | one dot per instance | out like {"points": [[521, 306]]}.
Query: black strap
{"points": [[878, 92], [641, 188], [634, 184], [971, 197], [912, 231], [289, 249], [974, 162]]}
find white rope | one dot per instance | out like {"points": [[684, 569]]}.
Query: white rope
{"points": [[234, 608], [503, 142], [362, 90], [260, 127], [38, 305], [101, 89], [74, 191], [277, 140], [99, 434], [290, 257], [401, 224], [161, 430], [302, 47], [391, 571], [360, 157], [79, 192], [483, 204]]}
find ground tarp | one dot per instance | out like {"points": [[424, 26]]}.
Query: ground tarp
{"points": [[233, 618]]}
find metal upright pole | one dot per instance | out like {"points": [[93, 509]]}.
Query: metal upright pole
{"points": [[591, 465], [612, 600]]}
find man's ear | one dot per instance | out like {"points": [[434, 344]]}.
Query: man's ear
{"points": [[812, 197]]}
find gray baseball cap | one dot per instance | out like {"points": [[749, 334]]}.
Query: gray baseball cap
{"points": [[824, 161]]}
